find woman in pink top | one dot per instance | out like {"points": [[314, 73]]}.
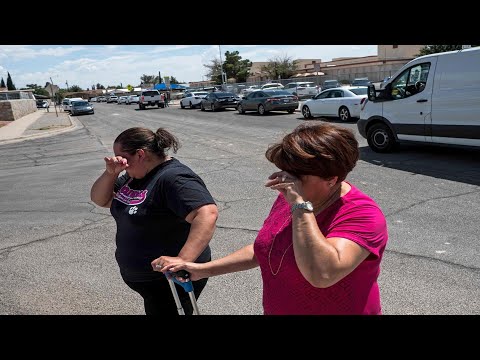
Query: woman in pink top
{"points": [[320, 248]]}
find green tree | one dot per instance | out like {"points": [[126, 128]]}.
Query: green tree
{"points": [[10, 85], [235, 67], [2, 83], [130, 87], [281, 67], [173, 80], [433, 49], [75, 88], [214, 70], [148, 79], [38, 90], [100, 86]]}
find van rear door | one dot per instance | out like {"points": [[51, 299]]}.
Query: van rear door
{"points": [[456, 99], [409, 109]]}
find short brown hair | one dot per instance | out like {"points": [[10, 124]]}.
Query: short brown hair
{"points": [[319, 149]]}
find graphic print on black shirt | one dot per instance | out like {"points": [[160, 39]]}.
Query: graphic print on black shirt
{"points": [[150, 216]]}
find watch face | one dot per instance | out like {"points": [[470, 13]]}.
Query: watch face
{"points": [[309, 206]]}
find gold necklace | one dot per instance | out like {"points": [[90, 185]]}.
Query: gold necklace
{"points": [[271, 248], [331, 199]]}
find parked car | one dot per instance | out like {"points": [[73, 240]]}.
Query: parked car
{"points": [[249, 89], [42, 104], [344, 102], [264, 101], [271, 86], [361, 82], [112, 98], [219, 100], [330, 84], [302, 88], [132, 99], [67, 103], [122, 100], [192, 99], [81, 107], [101, 99]]}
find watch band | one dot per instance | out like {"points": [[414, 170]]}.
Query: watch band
{"points": [[307, 205]]}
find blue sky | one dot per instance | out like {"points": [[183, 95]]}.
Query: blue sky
{"points": [[85, 65]]}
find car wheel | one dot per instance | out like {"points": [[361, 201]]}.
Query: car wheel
{"points": [[212, 107], [202, 107], [291, 111], [380, 138], [181, 105], [344, 113], [306, 112], [240, 109], [261, 109], [190, 104]]}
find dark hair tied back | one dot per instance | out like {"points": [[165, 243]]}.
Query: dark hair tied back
{"points": [[165, 141]]}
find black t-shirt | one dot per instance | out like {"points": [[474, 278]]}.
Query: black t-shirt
{"points": [[150, 215]]}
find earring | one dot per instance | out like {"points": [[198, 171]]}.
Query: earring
{"points": [[331, 184]]}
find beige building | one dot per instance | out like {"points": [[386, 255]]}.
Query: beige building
{"points": [[388, 60]]}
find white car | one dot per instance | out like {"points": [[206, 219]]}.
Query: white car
{"points": [[272, 86], [248, 90], [344, 102], [302, 88], [192, 99], [122, 100], [132, 99]]}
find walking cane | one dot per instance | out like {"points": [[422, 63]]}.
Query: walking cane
{"points": [[187, 286]]}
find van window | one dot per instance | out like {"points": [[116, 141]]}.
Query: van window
{"points": [[410, 82]]}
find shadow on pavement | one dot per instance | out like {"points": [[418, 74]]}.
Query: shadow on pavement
{"points": [[455, 164]]}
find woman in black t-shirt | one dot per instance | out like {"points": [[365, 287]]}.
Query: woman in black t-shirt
{"points": [[161, 208]]}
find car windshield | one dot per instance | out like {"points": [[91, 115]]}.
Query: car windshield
{"points": [[79, 103], [360, 91], [225, 94], [200, 93]]}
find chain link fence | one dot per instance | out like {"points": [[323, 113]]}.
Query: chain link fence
{"points": [[344, 76]]}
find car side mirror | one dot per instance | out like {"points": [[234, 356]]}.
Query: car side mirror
{"points": [[371, 93]]}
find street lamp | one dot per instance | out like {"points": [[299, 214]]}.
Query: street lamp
{"points": [[221, 69], [66, 82]]}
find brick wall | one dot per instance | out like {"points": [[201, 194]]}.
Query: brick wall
{"points": [[11, 110]]}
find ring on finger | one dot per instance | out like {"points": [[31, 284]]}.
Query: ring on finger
{"points": [[284, 177]]}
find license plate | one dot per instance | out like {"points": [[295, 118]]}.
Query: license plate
{"points": [[286, 100]]}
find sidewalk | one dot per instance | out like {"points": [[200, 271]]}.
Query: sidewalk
{"points": [[37, 124]]}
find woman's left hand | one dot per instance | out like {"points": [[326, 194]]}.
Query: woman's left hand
{"points": [[162, 262], [289, 185]]}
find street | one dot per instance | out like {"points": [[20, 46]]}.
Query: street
{"points": [[57, 247]]}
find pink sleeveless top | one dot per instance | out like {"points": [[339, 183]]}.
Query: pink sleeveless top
{"points": [[355, 217]]}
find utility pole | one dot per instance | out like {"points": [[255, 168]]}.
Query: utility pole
{"points": [[66, 82], [221, 69], [51, 90]]}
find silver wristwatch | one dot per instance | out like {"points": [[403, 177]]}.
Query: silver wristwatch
{"points": [[307, 205]]}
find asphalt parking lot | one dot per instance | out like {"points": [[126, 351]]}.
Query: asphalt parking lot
{"points": [[429, 195]]}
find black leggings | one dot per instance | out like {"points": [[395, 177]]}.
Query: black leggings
{"points": [[158, 298]]}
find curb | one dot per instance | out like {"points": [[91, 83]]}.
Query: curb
{"points": [[74, 124]]}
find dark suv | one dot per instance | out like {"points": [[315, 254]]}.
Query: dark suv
{"points": [[361, 82], [330, 84]]}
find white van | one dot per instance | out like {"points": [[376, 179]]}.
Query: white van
{"points": [[67, 103], [431, 99]]}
